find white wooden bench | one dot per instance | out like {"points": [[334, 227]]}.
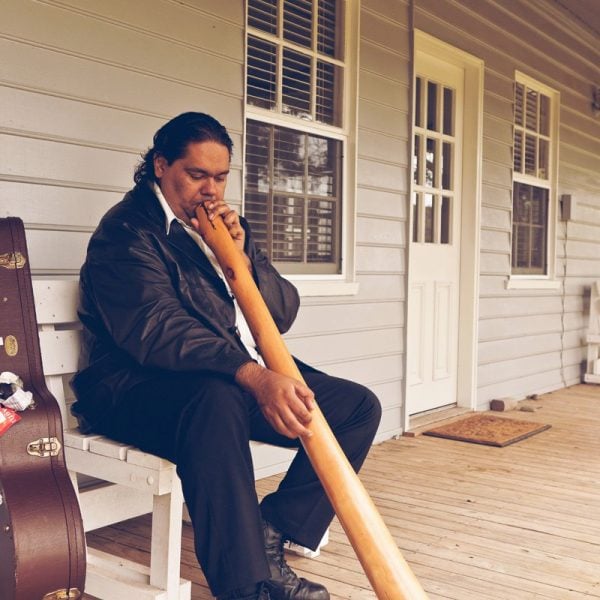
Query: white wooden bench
{"points": [[592, 374], [115, 481]]}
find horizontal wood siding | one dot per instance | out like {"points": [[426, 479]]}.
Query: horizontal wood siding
{"points": [[362, 337], [382, 192], [84, 86], [530, 341], [87, 83]]}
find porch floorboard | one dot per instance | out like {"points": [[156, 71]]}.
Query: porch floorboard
{"points": [[474, 522]]}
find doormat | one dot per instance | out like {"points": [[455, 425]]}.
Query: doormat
{"points": [[487, 429]]}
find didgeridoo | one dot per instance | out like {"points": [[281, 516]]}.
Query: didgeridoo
{"points": [[384, 565]]}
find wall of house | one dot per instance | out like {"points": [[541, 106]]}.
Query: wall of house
{"points": [[530, 341], [383, 144], [85, 85], [361, 336]]}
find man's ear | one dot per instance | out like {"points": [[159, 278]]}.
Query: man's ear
{"points": [[160, 164]]}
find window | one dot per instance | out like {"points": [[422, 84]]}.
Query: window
{"points": [[433, 162], [530, 218], [534, 178], [292, 195], [295, 132]]}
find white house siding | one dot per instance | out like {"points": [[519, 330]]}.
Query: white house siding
{"points": [[362, 336], [530, 341], [85, 83], [83, 86]]}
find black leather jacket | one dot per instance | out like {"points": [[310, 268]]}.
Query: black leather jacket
{"points": [[151, 302]]}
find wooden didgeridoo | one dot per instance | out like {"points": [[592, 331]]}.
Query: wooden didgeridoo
{"points": [[384, 565]]}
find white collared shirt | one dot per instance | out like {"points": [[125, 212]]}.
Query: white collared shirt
{"points": [[240, 320]]}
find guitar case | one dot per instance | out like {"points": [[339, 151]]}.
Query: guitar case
{"points": [[42, 542]]}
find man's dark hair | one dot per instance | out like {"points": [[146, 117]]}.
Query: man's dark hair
{"points": [[172, 139]]}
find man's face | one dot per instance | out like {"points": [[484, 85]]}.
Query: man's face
{"points": [[199, 175]]}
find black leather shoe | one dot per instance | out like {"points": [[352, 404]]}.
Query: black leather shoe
{"points": [[284, 583], [253, 592]]}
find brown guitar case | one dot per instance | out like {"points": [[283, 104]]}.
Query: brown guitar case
{"points": [[42, 542]]}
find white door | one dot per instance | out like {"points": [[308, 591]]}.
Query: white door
{"points": [[434, 253]]}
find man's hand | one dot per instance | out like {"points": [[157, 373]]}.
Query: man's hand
{"points": [[285, 402], [230, 218]]}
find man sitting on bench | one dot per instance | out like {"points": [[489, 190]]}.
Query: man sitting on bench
{"points": [[170, 366]]}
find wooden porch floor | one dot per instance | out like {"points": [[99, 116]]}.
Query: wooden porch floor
{"points": [[474, 522]]}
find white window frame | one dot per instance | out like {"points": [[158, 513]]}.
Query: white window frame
{"points": [[343, 283], [547, 280]]}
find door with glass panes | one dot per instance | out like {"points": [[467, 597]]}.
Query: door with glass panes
{"points": [[434, 253]]}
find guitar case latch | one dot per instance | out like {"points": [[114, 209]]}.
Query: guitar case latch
{"points": [[64, 594], [45, 447]]}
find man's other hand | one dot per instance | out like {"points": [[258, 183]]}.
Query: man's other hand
{"points": [[285, 402]]}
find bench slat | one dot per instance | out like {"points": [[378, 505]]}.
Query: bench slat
{"points": [[155, 481], [75, 439], [60, 351], [124, 503], [56, 300], [109, 448], [107, 574], [144, 459]]}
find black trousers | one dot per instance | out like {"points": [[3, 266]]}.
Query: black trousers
{"points": [[203, 425]]}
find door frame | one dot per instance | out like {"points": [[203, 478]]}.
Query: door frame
{"points": [[466, 392]]}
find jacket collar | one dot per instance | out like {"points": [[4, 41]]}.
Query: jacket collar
{"points": [[169, 214], [172, 231]]}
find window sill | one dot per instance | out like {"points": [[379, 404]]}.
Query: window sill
{"points": [[315, 287], [526, 283]]}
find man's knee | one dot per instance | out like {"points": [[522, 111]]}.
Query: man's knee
{"points": [[373, 409], [346, 403], [368, 413]]}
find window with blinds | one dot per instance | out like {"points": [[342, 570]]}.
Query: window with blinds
{"points": [[532, 132], [294, 65], [294, 74], [532, 181], [292, 196], [530, 220]]}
